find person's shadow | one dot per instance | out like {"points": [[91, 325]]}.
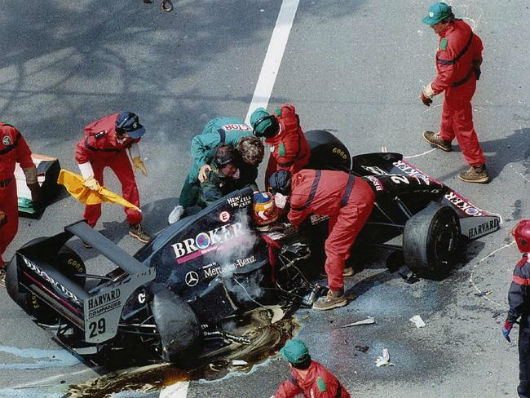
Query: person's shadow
{"points": [[502, 151]]}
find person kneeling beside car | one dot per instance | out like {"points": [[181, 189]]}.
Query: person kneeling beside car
{"points": [[346, 199], [308, 378], [227, 173]]}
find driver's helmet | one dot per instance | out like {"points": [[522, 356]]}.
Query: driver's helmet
{"points": [[265, 211], [521, 233]]}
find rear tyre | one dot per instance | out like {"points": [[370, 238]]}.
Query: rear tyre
{"points": [[71, 264], [66, 260], [177, 325], [430, 241], [20, 297], [327, 151], [28, 301]]}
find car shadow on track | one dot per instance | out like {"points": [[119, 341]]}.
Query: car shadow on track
{"points": [[376, 271]]}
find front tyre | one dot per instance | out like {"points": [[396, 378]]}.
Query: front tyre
{"points": [[430, 241], [177, 325]]}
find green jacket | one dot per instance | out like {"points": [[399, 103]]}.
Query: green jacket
{"points": [[221, 130], [218, 185]]}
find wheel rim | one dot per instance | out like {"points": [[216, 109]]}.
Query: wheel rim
{"points": [[446, 237]]}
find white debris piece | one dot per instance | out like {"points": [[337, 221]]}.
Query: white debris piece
{"points": [[416, 319], [384, 360], [367, 321], [239, 362]]}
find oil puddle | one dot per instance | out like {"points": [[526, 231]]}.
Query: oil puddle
{"points": [[263, 332]]}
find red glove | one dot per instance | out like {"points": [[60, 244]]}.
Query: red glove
{"points": [[426, 100], [506, 329]]}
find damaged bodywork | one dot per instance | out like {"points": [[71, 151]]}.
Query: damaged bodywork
{"points": [[185, 294]]}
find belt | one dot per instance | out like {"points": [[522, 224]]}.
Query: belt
{"points": [[465, 79], [5, 183]]}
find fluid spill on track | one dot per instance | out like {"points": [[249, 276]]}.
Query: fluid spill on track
{"points": [[266, 328]]}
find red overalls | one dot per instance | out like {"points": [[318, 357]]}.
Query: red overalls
{"points": [[289, 148], [459, 53], [100, 147], [318, 383], [13, 149], [346, 199]]}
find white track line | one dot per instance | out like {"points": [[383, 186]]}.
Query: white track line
{"points": [[177, 390], [519, 174], [420, 154], [274, 56], [262, 94]]}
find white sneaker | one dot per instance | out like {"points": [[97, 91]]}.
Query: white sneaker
{"points": [[175, 214]]}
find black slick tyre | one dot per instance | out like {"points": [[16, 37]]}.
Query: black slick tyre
{"points": [[431, 240], [177, 325], [18, 296]]}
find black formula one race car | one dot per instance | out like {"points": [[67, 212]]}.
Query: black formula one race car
{"points": [[182, 295]]}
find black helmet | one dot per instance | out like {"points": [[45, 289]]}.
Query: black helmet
{"points": [[224, 155], [280, 182]]}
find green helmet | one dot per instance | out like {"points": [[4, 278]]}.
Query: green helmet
{"points": [[263, 123], [295, 352], [437, 12]]}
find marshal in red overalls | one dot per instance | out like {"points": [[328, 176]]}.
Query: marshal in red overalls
{"points": [[13, 149], [346, 199], [100, 148], [317, 382], [289, 148], [458, 62]]}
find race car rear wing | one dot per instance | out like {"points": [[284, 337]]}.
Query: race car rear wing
{"points": [[97, 311], [102, 311], [378, 167], [114, 253]]}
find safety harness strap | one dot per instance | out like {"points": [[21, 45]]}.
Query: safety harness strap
{"points": [[88, 146], [339, 390], [347, 192], [9, 148], [442, 61], [312, 193], [293, 380], [465, 79]]}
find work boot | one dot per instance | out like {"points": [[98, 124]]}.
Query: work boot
{"points": [[334, 299], [348, 271], [175, 214], [476, 174], [435, 139], [138, 232]]}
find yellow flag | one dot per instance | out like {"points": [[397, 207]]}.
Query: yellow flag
{"points": [[74, 185]]}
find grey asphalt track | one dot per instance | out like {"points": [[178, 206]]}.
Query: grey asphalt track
{"points": [[356, 67]]}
